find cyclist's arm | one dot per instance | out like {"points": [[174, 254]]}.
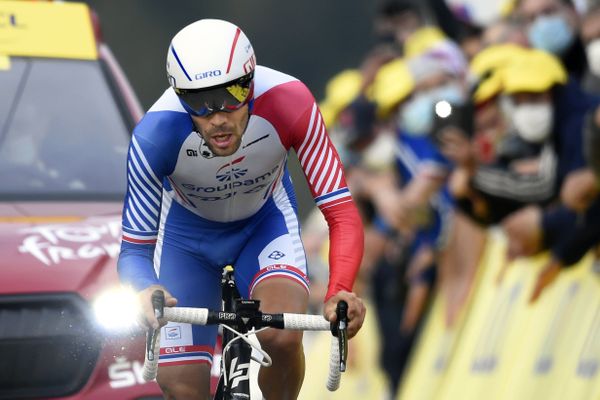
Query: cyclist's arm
{"points": [[141, 213], [324, 172]]}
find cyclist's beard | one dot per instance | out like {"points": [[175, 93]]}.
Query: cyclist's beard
{"points": [[223, 140]]}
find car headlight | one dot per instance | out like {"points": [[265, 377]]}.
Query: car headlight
{"points": [[117, 310]]}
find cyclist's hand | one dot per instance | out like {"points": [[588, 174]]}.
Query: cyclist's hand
{"points": [[356, 310], [145, 296]]}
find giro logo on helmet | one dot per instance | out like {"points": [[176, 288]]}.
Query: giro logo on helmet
{"points": [[208, 74]]}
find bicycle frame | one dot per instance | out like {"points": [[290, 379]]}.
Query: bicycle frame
{"points": [[237, 356]]}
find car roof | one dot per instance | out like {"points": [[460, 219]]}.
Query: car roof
{"points": [[47, 29]]}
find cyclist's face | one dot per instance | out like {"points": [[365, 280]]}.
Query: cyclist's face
{"points": [[222, 131]]}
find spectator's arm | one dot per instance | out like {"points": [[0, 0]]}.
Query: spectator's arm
{"points": [[591, 142], [570, 235]]}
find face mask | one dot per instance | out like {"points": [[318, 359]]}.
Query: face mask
{"points": [[451, 92], [416, 117], [533, 121], [551, 33], [592, 51]]}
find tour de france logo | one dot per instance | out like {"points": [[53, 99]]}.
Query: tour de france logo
{"points": [[226, 174]]}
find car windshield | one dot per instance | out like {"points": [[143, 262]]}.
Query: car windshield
{"points": [[62, 134]]}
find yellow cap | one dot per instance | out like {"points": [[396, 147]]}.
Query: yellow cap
{"points": [[392, 84], [536, 71], [494, 57], [489, 87], [422, 40], [489, 64], [340, 91]]}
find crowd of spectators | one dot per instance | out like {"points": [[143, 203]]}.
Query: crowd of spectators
{"points": [[450, 127]]}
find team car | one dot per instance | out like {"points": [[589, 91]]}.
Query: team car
{"points": [[67, 328]]}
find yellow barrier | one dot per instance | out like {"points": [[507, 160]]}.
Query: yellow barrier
{"points": [[435, 349], [506, 348]]}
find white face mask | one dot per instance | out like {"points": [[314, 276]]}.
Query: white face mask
{"points": [[592, 51], [533, 121]]}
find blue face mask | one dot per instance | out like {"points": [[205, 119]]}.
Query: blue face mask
{"points": [[551, 33], [416, 117], [451, 92]]}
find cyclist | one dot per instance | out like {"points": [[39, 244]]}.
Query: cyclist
{"points": [[208, 186]]}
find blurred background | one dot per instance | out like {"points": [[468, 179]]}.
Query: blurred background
{"points": [[469, 131], [310, 40]]}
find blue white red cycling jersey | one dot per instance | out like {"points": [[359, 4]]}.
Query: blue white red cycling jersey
{"points": [[168, 158]]}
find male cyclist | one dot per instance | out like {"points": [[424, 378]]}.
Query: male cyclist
{"points": [[208, 186]]}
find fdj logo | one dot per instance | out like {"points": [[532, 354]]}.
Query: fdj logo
{"points": [[276, 255], [233, 174], [173, 333], [225, 175]]}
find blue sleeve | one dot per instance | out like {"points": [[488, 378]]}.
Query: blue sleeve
{"points": [[570, 236], [135, 265], [141, 213], [572, 106], [152, 157]]}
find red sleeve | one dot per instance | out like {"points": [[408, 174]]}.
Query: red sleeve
{"points": [[295, 115]]}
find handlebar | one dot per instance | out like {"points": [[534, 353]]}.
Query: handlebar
{"points": [[289, 321]]}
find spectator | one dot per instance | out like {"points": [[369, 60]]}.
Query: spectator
{"points": [[590, 35], [530, 159], [551, 25], [412, 207]]}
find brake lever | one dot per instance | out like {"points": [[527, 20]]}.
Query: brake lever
{"points": [[341, 332], [158, 304]]}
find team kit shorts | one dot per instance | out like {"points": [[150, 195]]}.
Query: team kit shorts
{"points": [[190, 255]]}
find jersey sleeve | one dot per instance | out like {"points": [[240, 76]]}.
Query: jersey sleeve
{"points": [[301, 127], [325, 175], [141, 214]]}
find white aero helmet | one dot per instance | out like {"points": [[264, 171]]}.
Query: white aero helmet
{"points": [[210, 65]]}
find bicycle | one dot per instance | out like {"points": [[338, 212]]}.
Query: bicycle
{"points": [[239, 317]]}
